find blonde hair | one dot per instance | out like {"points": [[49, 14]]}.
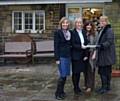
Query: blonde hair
{"points": [[62, 20], [105, 18], [77, 20]]}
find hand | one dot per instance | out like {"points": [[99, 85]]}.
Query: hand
{"points": [[100, 46], [93, 57], [85, 58], [83, 47], [58, 62]]}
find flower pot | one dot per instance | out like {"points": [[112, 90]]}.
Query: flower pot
{"points": [[115, 73]]}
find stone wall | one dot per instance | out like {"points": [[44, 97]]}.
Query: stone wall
{"points": [[52, 16], [112, 10]]}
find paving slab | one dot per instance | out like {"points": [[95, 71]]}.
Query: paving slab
{"points": [[38, 83]]}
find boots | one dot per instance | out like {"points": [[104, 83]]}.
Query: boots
{"points": [[60, 94]]}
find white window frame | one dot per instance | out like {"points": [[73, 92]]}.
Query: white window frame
{"points": [[33, 26]]}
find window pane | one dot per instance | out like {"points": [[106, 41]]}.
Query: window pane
{"points": [[20, 21], [17, 21], [28, 20], [41, 26], [73, 10], [20, 27], [39, 20], [73, 13], [26, 26], [17, 14]]}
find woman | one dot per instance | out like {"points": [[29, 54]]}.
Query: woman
{"points": [[79, 39], [62, 46], [89, 73], [105, 54]]}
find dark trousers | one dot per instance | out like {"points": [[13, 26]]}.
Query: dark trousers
{"points": [[77, 67], [105, 75], [75, 80], [89, 76]]}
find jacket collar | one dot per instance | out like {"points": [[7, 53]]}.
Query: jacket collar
{"points": [[106, 27]]}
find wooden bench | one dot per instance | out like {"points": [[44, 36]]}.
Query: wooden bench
{"points": [[17, 50], [43, 49]]}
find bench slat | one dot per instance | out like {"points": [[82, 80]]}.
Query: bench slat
{"points": [[17, 46], [13, 56], [44, 55], [45, 46], [17, 50]]}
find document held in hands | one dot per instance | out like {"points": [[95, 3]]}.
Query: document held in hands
{"points": [[88, 46]]}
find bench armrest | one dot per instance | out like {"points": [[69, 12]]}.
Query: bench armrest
{"points": [[28, 53]]}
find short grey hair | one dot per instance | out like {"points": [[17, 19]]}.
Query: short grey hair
{"points": [[77, 20]]}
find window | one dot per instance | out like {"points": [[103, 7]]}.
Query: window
{"points": [[32, 21], [91, 13], [18, 21], [28, 19], [39, 22], [73, 13]]}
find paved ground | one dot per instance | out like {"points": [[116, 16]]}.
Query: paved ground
{"points": [[38, 83]]}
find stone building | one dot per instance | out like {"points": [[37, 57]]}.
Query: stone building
{"points": [[41, 17]]}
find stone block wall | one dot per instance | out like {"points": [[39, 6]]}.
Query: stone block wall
{"points": [[112, 10], [52, 17]]}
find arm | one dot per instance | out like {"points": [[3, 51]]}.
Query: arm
{"points": [[75, 45], [56, 45], [109, 39]]}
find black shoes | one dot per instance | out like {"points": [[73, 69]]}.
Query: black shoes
{"points": [[78, 92], [103, 90], [60, 96]]}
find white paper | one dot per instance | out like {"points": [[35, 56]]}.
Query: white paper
{"points": [[88, 46]]}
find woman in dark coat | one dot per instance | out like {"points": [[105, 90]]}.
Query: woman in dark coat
{"points": [[79, 39], [105, 54], [62, 46]]}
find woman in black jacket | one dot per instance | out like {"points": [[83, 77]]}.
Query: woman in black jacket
{"points": [[79, 40], [62, 46], [105, 54]]}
